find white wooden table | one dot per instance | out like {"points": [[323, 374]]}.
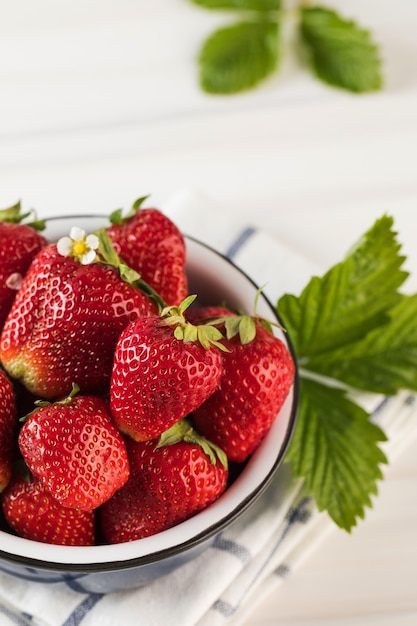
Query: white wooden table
{"points": [[99, 104]]}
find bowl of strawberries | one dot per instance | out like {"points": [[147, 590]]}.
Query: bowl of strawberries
{"points": [[148, 394]]}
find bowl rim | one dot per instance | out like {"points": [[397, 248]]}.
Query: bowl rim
{"points": [[216, 527]]}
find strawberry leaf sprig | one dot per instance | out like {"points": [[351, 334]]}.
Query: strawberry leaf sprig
{"points": [[242, 54], [353, 331]]}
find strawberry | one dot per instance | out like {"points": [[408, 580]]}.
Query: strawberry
{"points": [[19, 243], [170, 481], [33, 513], [150, 243], [164, 368], [66, 319], [208, 313], [75, 450], [258, 372], [8, 425]]}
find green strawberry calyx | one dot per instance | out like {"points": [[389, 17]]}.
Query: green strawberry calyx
{"points": [[14, 215], [117, 217], [242, 324], [205, 334], [184, 431], [39, 404]]}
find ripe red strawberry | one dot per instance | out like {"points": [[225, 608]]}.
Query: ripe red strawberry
{"points": [[163, 369], [19, 243], [75, 450], [167, 485], [208, 314], [150, 243], [257, 377], [65, 322], [33, 513], [8, 426]]}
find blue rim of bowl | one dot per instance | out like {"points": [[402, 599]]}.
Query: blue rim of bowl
{"points": [[214, 529]]}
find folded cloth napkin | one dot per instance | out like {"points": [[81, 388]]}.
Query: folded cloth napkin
{"points": [[255, 555]]}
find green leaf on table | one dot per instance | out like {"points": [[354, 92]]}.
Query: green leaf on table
{"points": [[383, 361], [248, 5], [340, 52], [237, 57], [351, 299], [335, 449]]}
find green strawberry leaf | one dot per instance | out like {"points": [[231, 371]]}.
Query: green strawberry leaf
{"points": [[351, 328], [205, 334], [335, 449], [235, 58], [210, 336], [184, 431], [138, 203], [106, 249], [186, 333], [340, 52], [249, 5], [383, 361], [119, 217], [242, 325], [14, 215], [350, 300]]}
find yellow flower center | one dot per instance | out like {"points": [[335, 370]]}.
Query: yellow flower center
{"points": [[79, 248]]}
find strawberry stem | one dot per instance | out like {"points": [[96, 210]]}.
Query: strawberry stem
{"points": [[39, 404]]}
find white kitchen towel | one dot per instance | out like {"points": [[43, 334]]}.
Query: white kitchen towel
{"points": [[255, 555]]}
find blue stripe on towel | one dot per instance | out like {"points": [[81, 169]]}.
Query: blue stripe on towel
{"points": [[242, 553], [410, 400], [82, 610], [239, 242], [19, 620], [382, 405], [296, 515], [282, 571], [224, 608]]}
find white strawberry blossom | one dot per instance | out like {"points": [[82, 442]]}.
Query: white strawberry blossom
{"points": [[79, 245]]}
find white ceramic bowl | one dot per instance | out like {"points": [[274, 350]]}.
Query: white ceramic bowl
{"points": [[112, 567]]}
